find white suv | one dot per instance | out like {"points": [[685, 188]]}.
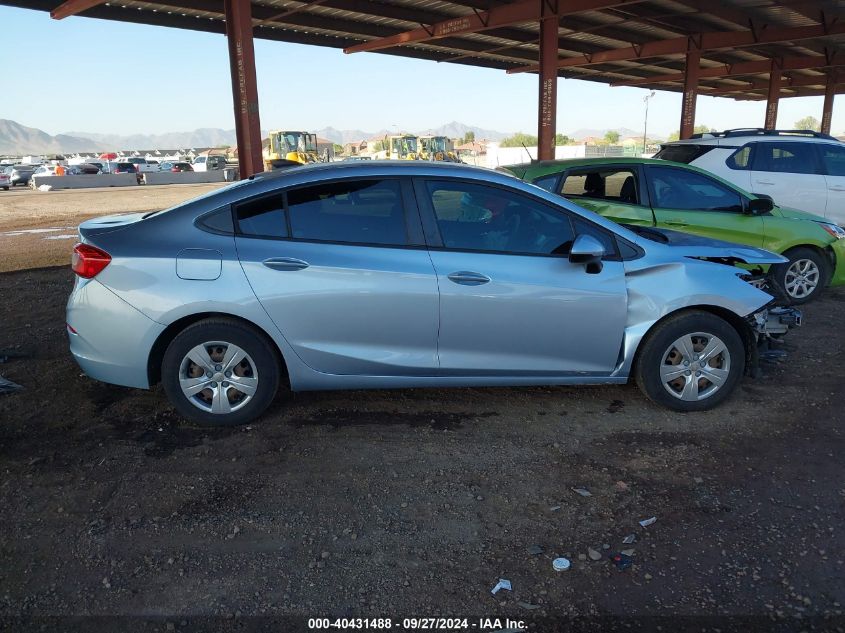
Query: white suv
{"points": [[800, 169]]}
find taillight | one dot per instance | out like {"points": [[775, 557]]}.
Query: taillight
{"points": [[89, 261]]}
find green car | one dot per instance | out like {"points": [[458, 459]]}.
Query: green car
{"points": [[659, 193]]}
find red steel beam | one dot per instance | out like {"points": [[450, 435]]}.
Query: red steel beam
{"points": [[690, 93], [547, 110], [244, 86], [73, 7], [704, 42], [786, 84], [495, 17], [827, 106], [775, 79], [742, 68]]}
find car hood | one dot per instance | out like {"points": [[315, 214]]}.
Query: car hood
{"points": [[795, 214], [687, 245]]}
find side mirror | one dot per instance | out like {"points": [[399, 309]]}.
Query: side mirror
{"points": [[587, 250], [760, 205]]}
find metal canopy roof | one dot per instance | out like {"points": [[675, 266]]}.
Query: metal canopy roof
{"points": [[621, 42]]}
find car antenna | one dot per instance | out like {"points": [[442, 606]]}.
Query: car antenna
{"points": [[530, 158]]}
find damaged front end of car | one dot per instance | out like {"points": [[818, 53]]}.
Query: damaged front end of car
{"points": [[766, 329]]}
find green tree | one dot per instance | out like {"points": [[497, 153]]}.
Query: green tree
{"points": [[518, 140], [612, 137], [562, 139], [698, 129], [338, 149], [469, 137], [377, 146], [808, 123]]}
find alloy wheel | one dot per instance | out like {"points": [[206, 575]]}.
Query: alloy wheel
{"points": [[802, 278]]}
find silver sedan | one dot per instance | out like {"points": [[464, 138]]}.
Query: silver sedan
{"points": [[413, 274]]}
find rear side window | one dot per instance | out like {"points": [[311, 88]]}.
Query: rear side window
{"points": [[683, 153], [615, 185], [833, 159], [360, 211], [790, 158], [740, 159], [263, 217]]}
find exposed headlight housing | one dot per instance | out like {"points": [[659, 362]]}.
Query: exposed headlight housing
{"points": [[835, 230]]}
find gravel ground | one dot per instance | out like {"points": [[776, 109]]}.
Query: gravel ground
{"points": [[415, 502], [39, 228]]}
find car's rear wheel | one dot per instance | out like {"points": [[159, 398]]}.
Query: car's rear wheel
{"points": [[220, 372], [690, 362], [803, 277]]}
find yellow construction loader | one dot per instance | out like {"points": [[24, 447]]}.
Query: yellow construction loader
{"points": [[400, 147], [437, 148], [288, 148]]}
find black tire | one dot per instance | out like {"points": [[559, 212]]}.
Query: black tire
{"points": [[223, 332], [782, 277], [657, 349]]}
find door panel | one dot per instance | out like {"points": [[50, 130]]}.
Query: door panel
{"points": [[833, 163], [536, 315], [348, 309], [511, 303]]}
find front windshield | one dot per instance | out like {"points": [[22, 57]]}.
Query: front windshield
{"points": [[438, 144], [291, 142], [310, 142], [409, 144]]}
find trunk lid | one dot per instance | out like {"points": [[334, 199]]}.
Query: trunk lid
{"points": [[107, 224]]}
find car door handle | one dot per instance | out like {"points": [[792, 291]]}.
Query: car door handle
{"points": [[837, 188], [468, 278], [675, 223], [285, 263], [764, 182]]}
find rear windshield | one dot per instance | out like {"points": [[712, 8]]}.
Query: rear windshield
{"points": [[685, 153]]}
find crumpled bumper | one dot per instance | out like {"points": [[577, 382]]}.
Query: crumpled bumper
{"points": [[767, 327]]}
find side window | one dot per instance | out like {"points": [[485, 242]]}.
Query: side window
{"points": [[480, 218], [740, 159], [357, 211], [687, 190], [833, 159], [547, 182], [615, 185], [262, 217], [785, 157]]}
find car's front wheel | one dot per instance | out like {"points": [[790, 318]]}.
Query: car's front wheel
{"points": [[803, 277], [692, 361], [220, 372]]}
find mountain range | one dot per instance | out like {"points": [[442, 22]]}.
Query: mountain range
{"points": [[17, 139]]}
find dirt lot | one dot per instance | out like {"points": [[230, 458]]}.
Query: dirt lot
{"points": [[414, 503], [39, 229]]}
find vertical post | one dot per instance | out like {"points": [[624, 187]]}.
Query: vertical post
{"points": [[691, 68], [547, 110], [827, 108], [775, 79], [244, 85]]}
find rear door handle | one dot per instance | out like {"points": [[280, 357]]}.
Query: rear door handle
{"points": [[285, 263], [676, 223], [837, 188], [764, 182], [468, 278]]}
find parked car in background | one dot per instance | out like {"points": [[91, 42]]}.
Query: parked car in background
{"points": [[800, 169], [5, 180], [19, 174], [83, 169], [123, 167], [141, 164], [649, 192], [415, 274], [208, 163], [176, 166]]}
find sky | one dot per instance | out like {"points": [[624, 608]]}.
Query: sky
{"points": [[114, 78]]}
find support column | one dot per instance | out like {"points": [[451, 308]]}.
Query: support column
{"points": [[691, 69], [775, 80], [547, 110], [827, 108], [244, 86]]}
